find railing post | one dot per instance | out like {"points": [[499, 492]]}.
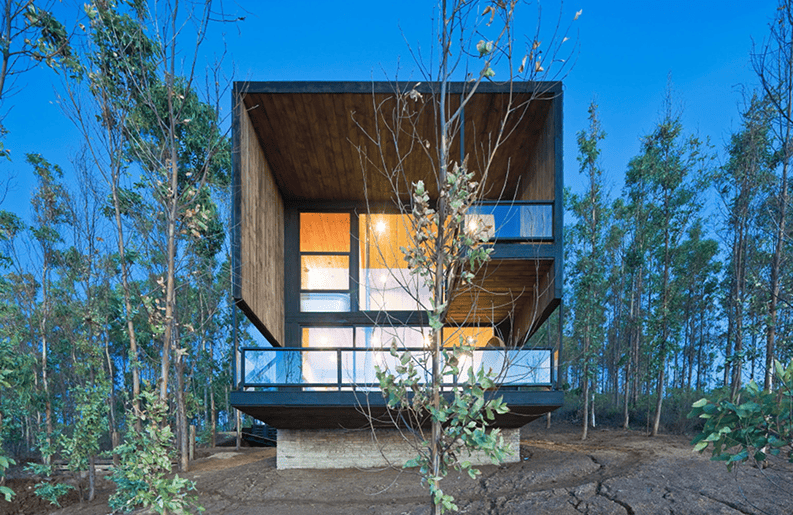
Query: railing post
{"points": [[240, 381], [338, 369]]}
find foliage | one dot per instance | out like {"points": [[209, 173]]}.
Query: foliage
{"points": [[52, 492], [48, 490], [6, 462], [142, 477], [757, 424], [465, 415]]}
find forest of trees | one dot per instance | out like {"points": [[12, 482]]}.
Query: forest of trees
{"points": [[676, 283], [119, 282]]}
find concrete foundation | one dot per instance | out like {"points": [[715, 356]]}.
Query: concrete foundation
{"points": [[342, 448]]}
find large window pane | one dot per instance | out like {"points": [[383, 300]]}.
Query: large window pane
{"points": [[385, 281], [324, 232], [324, 272]]}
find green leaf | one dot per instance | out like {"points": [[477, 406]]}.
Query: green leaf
{"points": [[700, 403]]}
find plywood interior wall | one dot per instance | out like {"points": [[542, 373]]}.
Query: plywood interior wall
{"points": [[538, 181], [262, 233]]}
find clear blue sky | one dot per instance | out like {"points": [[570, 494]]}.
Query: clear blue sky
{"points": [[627, 49]]}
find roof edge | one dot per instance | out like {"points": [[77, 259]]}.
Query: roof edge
{"points": [[385, 87]]}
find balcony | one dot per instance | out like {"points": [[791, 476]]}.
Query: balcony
{"points": [[513, 222], [324, 369], [291, 388]]}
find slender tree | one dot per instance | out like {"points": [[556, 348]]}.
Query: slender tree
{"points": [[773, 64], [589, 267], [671, 167]]}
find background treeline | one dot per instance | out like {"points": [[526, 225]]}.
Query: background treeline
{"points": [[678, 281], [119, 281]]}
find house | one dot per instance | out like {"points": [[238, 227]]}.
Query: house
{"points": [[317, 266]]}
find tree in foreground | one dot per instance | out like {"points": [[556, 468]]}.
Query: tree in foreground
{"points": [[441, 248], [752, 426]]}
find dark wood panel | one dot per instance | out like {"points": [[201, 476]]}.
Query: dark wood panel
{"points": [[262, 235], [501, 290], [310, 139]]}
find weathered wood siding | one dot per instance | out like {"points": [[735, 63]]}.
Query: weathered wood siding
{"points": [[539, 180], [536, 307], [261, 233]]}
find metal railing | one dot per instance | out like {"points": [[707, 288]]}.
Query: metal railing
{"points": [[346, 368]]}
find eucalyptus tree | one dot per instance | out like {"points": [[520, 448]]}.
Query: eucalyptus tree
{"points": [[773, 64], [29, 35], [113, 61], [742, 183], [439, 249], [696, 271], [50, 215], [589, 265], [154, 135], [671, 168]]}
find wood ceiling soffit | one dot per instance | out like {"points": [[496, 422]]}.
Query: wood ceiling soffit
{"points": [[309, 141]]}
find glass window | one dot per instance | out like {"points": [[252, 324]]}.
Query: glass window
{"points": [[324, 272], [385, 280], [324, 232], [324, 302], [325, 262], [475, 336]]}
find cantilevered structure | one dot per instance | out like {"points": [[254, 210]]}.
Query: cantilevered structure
{"points": [[316, 238]]}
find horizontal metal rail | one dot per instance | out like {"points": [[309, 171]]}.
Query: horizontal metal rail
{"points": [[337, 368]]}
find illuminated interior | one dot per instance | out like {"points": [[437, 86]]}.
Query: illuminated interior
{"points": [[386, 283]]}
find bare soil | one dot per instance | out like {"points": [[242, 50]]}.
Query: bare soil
{"points": [[613, 472]]}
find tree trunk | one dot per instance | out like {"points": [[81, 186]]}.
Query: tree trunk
{"points": [[776, 264], [585, 389], [91, 478]]}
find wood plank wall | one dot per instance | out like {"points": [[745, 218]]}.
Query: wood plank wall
{"points": [[262, 233], [538, 181], [535, 309]]}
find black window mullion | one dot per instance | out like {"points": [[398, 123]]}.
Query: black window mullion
{"points": [[354, 259]]}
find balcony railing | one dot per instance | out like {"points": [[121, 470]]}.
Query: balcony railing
{"points": [[347, 368], [512, 221]]}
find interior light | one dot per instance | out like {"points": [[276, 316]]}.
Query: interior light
{"points": [[323, 340], [426, 340], [471, 340], [384, 278], [375, 341], [380, 227], [314, 278], [473, 225]]}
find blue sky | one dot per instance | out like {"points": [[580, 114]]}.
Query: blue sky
{"points": [[626, 52]]}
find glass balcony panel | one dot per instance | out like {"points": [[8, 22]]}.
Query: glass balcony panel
{"points": [[510, 221], [527, 367], [269, 366], [275, 367]]}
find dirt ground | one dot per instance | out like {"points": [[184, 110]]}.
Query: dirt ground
{"points": [[613, 472]]}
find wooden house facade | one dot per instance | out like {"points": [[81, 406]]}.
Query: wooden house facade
{"points": [[316, 264]]}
